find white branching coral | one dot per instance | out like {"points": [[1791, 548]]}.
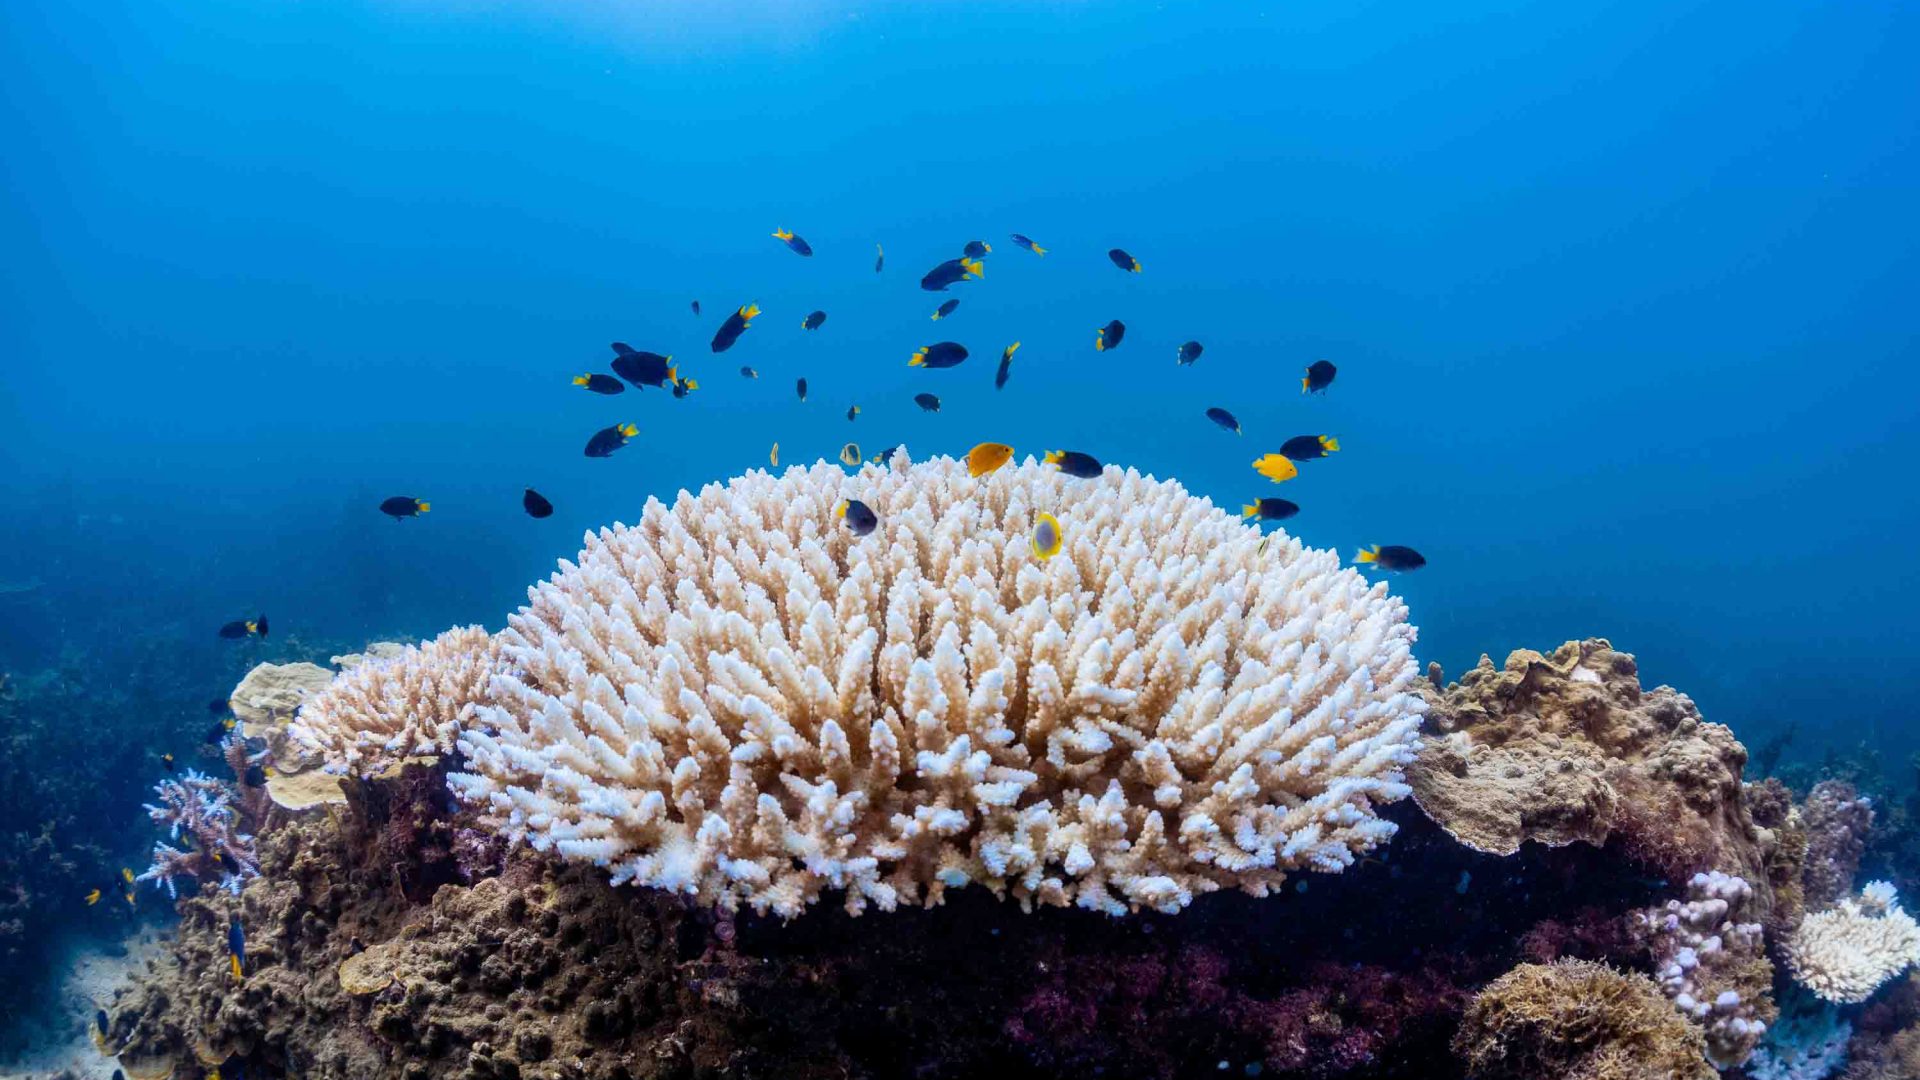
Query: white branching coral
{"points": [[740, 700], [201, 807], [410, 703], [1844, 953]]}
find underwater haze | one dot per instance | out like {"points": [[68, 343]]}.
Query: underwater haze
{"points": [[1620, 295]]}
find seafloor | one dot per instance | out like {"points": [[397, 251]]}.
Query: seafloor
{"points": [[1561, 812]]}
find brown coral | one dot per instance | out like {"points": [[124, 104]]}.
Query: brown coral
{"points": [[1567, 748], [1575, 1020], [1837, 819]]}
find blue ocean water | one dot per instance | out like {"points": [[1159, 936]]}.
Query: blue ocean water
{"points": [[1620, 295]]}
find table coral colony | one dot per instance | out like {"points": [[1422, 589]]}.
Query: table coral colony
{"points": [[739, 700]]}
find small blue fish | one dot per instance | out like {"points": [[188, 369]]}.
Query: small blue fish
{"points": [[976, 249], [1188, 353], [813, 321], [799, 246], [946, 309], [236, 947], [1028, 244], [879, 258], [1124, 261]]}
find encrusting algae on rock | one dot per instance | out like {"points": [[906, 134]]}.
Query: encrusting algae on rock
{"points": [[1574, 1020]]}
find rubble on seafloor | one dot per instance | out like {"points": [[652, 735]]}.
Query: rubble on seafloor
{"points": [[392, 936]]}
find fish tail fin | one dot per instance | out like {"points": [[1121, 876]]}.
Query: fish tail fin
{"points": [[1305, 383], [238, 976], [919, 359], [840, 509], [1249, 511], [1038, 250], [691, 384], [1329, 442], [425, 506], [1053, 456], [582, 380], [748, 312], [974, 267], [782, 234], [1367, 554], [1013, 348], [629, 430]]}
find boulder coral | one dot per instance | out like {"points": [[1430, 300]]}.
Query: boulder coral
{"points": [[1568, 748], [741, 700], [1576, 1020]]}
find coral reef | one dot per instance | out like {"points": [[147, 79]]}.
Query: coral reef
{"points": [[1807, 1042], [202, 808], [1567, 747], [1712, 967], [1783, 845], [1845, 953], [1837, 819], [413, 702], [742, 701], [266, 701], [1576, 1020]]}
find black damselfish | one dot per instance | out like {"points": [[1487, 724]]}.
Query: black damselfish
{"points": [[800, 386], [404, 506], [1319, 376], [1391, 557], [1006, 365], [1124, 261], [607, 440], [813, 320], [946, 309], [859, 517], [642, 368], [976, 248], [941, 354], [536, 504], [1188, 353], [927, 401], [795, 243], [240, 628], [961, 269], [1224, 418], [735, 325], [1074, 463], [1308, 447], [600, 384], [1110, 335], [1270, 509]]}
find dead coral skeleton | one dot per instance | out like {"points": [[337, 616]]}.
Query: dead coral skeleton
{"points": [[200, 807]]}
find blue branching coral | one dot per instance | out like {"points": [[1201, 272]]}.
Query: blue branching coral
{"points": [[202, 808]]}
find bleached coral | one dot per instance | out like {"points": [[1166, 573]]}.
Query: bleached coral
{"points": [[740, 700], [1704, 959], [410, 703], [1808, 1042], [202, 808], [1845, 953]]}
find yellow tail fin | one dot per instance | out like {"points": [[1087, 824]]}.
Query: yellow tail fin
{"points": [[747, 312], [1249, 511], [974, 267], [1371, 554], [782, 234], [1011, 349], [235, 961], [1329, 442], [1038, 250], [1304, 384], [692, 384], [629, 430], [425, 506], [919, 359], [840, 511], [582, 380]]}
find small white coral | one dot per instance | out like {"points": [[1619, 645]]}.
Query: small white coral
{"points": [[1695, 944], [411, 702], [740, 700], [1843, 954]]}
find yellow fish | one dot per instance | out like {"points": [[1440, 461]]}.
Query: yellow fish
{"points": [[850, 454], [987, 457], [773, 456], [93, 897], [126, 875], [1276, 467], [1047, 536]]}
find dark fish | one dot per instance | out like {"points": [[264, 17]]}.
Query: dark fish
{"points": [[1189, 352], [852, 411], [240, 628], [236, 947], [1028, 244], [976, 248], [952, 270], [1006, 363], [946, 309], [813, 321], [859, 518], [683, 387], [167, 762], [884, 455], [696, 307], [927, 402], [749, 373], [1225, 419], [942, 354], [536, 504], [100, 1021], [1308, 447], [1319, 377], [1391, 557], [1074, 463], [255, 776], [642, 368], [1124, 261], [600, 384], [879, 257], [801, 386], [1269, 509], [799, 246], [217, 732], [404, 506], [607, 440], [735, 325], [1110, 335]]}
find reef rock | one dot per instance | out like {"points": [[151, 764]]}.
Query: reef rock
{"points": [[1567, 748], [379, 650], [1575, 1020]]}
